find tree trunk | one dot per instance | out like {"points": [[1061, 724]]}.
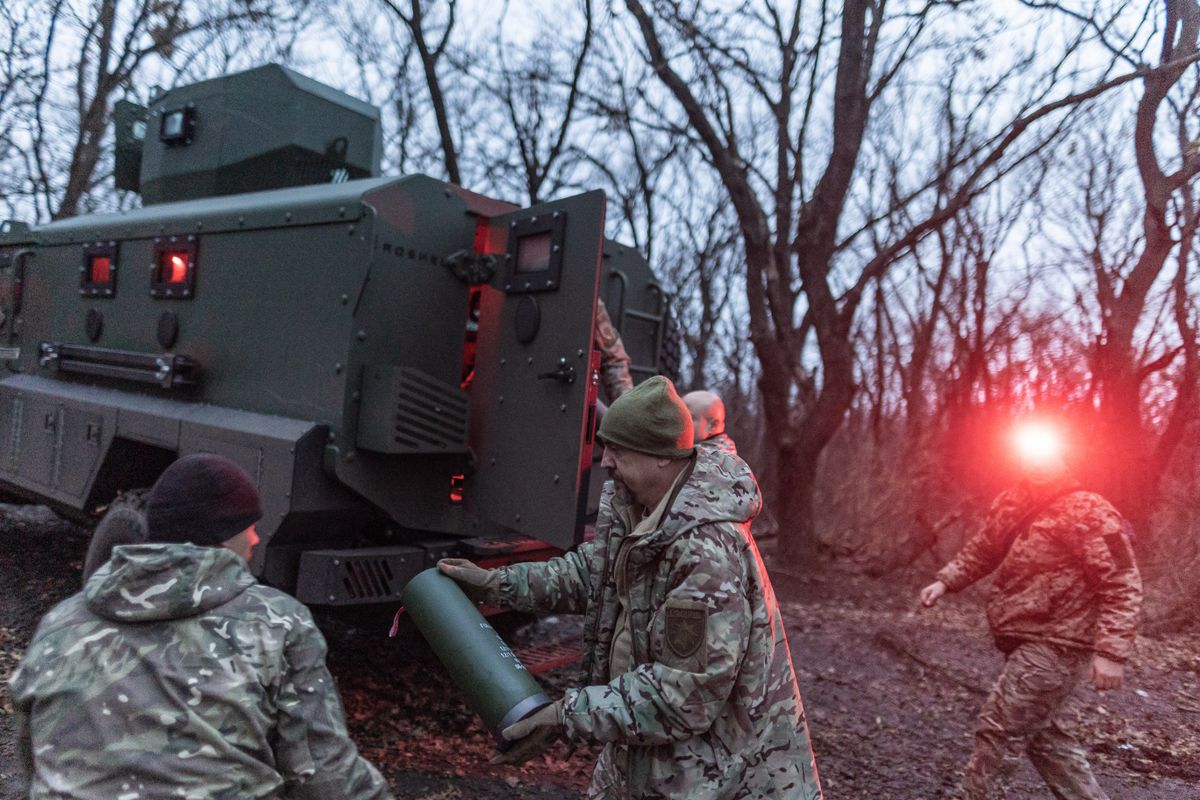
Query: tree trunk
{"points": [[1130, 471]]}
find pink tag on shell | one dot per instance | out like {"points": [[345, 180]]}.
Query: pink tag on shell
{"points": [[395, 623]]}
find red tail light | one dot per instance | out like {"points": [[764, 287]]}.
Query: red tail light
{"points": [[174, 275], [99, 269], [173, 267]]}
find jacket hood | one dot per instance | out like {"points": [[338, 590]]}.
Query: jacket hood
{"points": [[721, 488], [146, 582]]}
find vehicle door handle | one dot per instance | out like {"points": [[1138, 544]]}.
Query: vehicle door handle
{"points": [[563, 373]]}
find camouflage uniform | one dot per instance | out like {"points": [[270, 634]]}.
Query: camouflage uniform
{"points": [[719, 442], [174, 674], [1068, 587], [614, 361], [710, 708]]}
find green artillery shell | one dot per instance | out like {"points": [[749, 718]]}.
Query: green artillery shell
{"points": [[498, 687]]}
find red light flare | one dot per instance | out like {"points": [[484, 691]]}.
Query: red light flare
{"points": [[1038, 442], [1041, 450]]}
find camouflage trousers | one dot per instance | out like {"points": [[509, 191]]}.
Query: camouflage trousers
{"points": [[1019, 715]]}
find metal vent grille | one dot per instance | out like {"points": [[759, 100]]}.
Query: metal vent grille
{"points": [[369, 578], [428, 416], [349, 577], [406, 411]]}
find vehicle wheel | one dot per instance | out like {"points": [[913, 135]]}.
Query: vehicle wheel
{"points": [[123, 523]]}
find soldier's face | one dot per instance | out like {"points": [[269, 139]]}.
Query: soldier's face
{"points": [[243, 544], [638, 472]]}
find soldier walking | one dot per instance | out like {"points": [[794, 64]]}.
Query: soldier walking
{"points": [[1065, 599], [175, 674], [691, 688]]}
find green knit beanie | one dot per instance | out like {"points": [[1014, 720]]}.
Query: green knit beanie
{"points": [[649, 418]]}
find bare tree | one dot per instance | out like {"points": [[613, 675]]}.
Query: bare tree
{"points": [[701, 269], [540, 108], [416, 19], [17, 68], [635, 159], [1138, 458], [1142, 349], [387, 74], [86, 56], [791, 218]]}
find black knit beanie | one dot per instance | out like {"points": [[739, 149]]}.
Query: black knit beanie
{"points": [[204, 499], [649, 418]]}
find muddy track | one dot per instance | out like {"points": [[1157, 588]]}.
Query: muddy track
{"points": [[891, 692]]}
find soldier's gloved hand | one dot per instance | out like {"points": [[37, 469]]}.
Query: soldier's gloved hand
{"points": [[1106, 673], [532, 735], [479, 584]]}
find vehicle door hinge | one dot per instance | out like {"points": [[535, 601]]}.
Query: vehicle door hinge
{"points": [[472, 268]]}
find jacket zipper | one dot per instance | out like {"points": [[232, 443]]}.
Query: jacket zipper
{"points": [[595, 634]]}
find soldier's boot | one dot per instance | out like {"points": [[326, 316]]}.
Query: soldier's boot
{"points": [[1063, 765], [992, 763], [1035, 681]]}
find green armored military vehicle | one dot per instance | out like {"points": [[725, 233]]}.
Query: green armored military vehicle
{"points": [[405, 367]]}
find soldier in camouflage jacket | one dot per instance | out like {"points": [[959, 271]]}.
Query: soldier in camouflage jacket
{"points": [[175, 674], [720, 442], [1069, 578], [1066, 594], [704, 704], [614, 360], [708, 421]]}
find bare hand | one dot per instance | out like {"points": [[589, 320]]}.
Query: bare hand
{"points": [[932, 593], [1106, 673]]}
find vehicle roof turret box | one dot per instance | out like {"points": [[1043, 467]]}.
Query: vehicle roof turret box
{"points": [[266, 128]]}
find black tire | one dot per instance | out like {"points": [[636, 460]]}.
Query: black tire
{"points": [[123, 523]]}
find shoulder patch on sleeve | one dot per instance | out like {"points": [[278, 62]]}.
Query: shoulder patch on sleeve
{"points": [[1118, 548], [686, 626]]}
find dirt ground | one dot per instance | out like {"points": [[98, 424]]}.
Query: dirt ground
{"points": [[891, 691]]}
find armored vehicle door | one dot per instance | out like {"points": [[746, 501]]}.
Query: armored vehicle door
{"points": [[16, 251], [534, 387]]}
